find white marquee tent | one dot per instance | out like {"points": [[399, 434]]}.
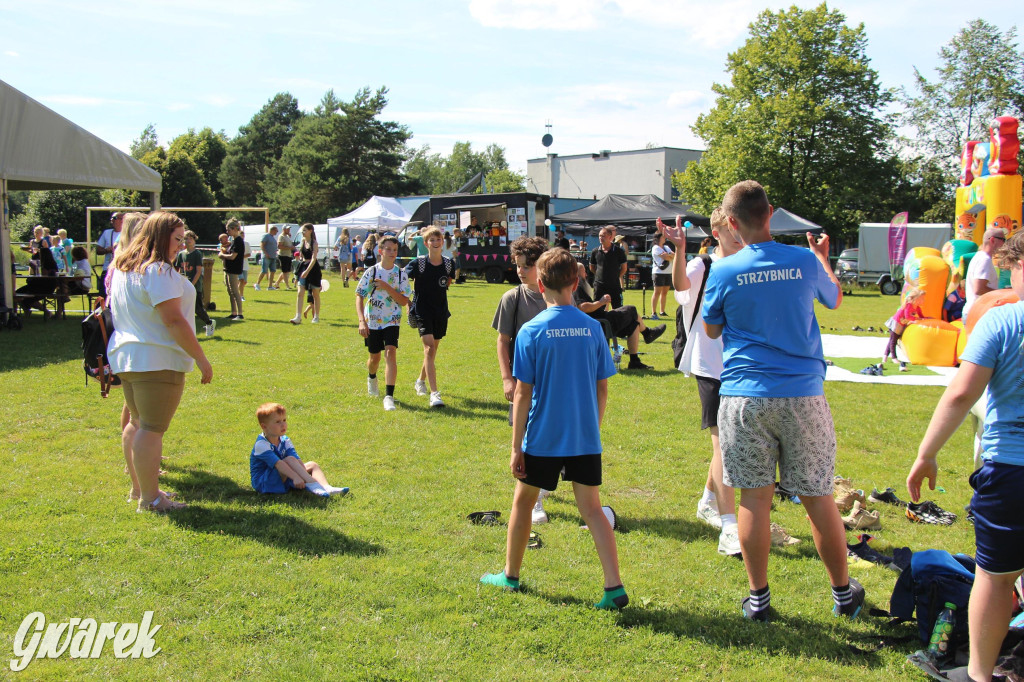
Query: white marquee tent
{"points": [[378, 213], [40, 150]]}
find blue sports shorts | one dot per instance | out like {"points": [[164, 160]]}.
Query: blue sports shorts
{"points": [[998, 510]]}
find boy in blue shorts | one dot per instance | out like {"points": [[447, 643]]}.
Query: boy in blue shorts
{"points": [[562, 365], [275, 467]]}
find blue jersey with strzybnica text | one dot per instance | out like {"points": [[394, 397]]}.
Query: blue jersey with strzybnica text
{"points": [[563, 354], [764, 296]]}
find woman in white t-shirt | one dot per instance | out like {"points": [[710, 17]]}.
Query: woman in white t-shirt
{"points": [[153, 346], [661, 256]]}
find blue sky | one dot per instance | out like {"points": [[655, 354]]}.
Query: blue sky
{"points": [[608, 74]]}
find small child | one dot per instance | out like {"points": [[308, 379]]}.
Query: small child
{"points": [[273, 464], [562, 365], [380, 295], [897, 324], [429, 313]]}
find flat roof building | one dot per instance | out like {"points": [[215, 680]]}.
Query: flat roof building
{"points": [[593, 176]]}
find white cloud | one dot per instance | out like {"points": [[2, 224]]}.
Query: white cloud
{"points": [[687, 99], [178, 106], [711, 25], [11, 53]]}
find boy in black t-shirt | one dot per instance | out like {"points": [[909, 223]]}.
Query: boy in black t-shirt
{"points": [[432, 275], [190, 264]]}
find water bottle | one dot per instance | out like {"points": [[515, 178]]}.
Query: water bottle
{"points": [[938, 647]]}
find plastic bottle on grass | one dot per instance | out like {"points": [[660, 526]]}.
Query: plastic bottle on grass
{"points": [[938, 646]]}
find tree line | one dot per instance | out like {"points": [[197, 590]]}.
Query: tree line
{"points": [[806, 115], [306, 167]]}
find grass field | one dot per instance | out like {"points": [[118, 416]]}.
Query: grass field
{"points": [[383, 584]]}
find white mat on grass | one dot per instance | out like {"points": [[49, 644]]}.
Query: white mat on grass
{"points": [[872, 348]]}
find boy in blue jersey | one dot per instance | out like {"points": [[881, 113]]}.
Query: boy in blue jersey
{"points": [[562, 365], [274, 466], [773, 412]]}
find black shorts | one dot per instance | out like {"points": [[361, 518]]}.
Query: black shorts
{"points": [[707, 389], [662, 280], [542, 472], [380, 338], [285, 263], [623, 320], [433, 326]]}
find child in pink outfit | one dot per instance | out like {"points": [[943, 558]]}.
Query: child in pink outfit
{"points": [[907, 313]]}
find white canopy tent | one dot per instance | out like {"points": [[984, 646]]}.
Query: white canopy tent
{"points": [[378, 213], [40, 150]]}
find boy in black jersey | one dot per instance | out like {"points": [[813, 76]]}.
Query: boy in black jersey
{"points": [[432, 275]]}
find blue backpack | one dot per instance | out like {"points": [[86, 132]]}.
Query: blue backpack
{"points": [[933, 578]]}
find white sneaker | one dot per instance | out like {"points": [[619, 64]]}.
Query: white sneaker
{"points": [[371, 387], [389, 403], [316, 319], [296, 320], [421, 387], [435, 399], [539, 515], [210, 328], [257, 288], [708, 514], [729, 541]]}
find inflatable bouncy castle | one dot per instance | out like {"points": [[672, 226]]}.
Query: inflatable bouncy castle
{"points": [[989, 196]]}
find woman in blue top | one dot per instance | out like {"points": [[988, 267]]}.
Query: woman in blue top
{"points": [[993, 358], [344, 254]]}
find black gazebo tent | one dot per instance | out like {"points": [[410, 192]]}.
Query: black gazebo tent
{"points": [[632, 215]]}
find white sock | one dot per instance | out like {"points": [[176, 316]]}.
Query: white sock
{"points": [[728, 520], [709, 497]]}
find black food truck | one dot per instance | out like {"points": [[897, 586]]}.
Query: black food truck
{"points": [[488, 223]]}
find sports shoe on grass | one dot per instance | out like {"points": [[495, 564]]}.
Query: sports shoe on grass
{"points": [[420, 387], [851, 610], [296, 320], [371, 387], [316, 319], [435, 399], [929, 512], [862, 519], [538, 515], [780, 538], [257, 287], [845, 495], [389, 403], [708, 514], [762, 616], [340, 492], [614, 598], [499, 580], [637, 364], [886, 497], [729, 541], [212, 327]]}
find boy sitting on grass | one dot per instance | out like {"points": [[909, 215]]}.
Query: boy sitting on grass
{"points": [[274, 465], [562, 365]]}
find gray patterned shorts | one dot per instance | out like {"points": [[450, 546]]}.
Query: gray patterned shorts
{"points": [[795, 434]]}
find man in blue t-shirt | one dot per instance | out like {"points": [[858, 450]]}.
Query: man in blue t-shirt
{"points": [[994, 357], [562, 365], [773, 412]]}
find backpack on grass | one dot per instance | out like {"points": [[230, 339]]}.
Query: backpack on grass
{"points": [[933, 578], [96, 331]]}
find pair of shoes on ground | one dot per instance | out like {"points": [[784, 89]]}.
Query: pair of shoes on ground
{"points": [[845, 494], [614, 598], [435, 397], [862, 519], [211, 327], [888, 496]]}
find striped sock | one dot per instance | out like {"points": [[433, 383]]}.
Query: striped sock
{"points": [[760, 599], [843, 596]]}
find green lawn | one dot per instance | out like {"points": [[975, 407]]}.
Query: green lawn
{"points": [[383, 584]]}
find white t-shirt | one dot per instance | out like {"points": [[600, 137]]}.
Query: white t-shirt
{"points": [[662, 266], [981, 267], [702, 355], [82, 270], [108, 240], [141, 342]]}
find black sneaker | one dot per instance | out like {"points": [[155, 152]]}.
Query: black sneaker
{"points": [[929, 512], [652, 333], [762, 616], [637, 365], [851, 610], [887, 497]]}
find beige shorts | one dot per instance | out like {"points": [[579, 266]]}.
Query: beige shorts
{"points": [[152, 397]]}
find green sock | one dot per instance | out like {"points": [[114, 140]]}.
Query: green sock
{"points": [[501, 580], [614, 598]]}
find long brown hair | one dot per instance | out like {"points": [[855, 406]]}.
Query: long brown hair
{"points": [[150, 243]]}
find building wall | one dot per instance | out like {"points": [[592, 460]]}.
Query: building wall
{"points": [[593, 176]]}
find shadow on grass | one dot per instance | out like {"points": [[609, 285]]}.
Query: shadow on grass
{"points": [[258, 520], [683, 530], [493, 409], [40, 343]]}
